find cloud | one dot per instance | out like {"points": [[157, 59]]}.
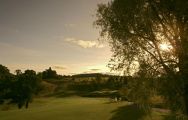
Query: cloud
{"points": [[94, 70], [85, 43], [59, 67]]}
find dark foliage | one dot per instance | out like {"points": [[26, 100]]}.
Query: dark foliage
{"points": [[18, 88], [136, 30], [49, 74]]}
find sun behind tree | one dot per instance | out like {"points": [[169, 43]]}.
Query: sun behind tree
{"points": [[165, 47], [136, 30]]}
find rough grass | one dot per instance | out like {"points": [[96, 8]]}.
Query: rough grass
{"points": [[78, 108]]}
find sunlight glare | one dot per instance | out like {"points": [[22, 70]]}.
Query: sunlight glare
{"points": [[165, 47]]}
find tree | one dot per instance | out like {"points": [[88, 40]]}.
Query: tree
{"points": [[49, 74], [18, 72], [152, 33], [4, 72], [5, 83], [25, 86], [19, 88]]}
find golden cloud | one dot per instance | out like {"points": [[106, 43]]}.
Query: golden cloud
{"points": [[85, 43]]}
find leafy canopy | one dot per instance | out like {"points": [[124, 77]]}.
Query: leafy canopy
{"points": [[149, 37]]}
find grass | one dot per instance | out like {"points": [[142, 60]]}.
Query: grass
{"points": [[78, 108]]}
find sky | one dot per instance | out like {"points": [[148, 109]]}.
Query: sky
{"points": [[38, 34]]}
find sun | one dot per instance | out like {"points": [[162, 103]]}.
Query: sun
{"points": [[165, 47]]}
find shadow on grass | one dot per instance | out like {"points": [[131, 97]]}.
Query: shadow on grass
{"points": [[169, 117], [133, 112], [129, 112], [174, 117]]}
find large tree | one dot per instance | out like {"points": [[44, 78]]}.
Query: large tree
{"points": [[152, 35], [26, 85], [19, 88]]}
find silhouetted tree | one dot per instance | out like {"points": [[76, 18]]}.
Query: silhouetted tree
{"points": [[153, 32], [4, 72], [5, 83], [18, 72], [25, 87], [19, 88], [49, 74]]}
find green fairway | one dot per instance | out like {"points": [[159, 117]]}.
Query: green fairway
{"points": [[76, 108]]}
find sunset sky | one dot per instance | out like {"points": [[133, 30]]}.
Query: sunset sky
{"points": [[38, 34]]}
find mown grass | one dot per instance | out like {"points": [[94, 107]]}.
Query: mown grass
{"points": [[78, 108]]}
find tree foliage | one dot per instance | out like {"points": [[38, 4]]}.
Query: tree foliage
{"points": [[5, 83], [4, 72], [49, 74], [137, 30], [25, 86], [19, 88]]}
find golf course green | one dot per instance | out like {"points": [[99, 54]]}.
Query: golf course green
{"points": [[78, 108]]}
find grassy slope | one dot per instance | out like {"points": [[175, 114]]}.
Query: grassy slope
{"points": [[76, 108]]}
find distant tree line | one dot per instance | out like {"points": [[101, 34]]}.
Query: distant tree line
{"points": [[91, 75], [99, 83]]}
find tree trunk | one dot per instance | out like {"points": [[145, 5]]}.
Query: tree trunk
{"points": [[184, 71], [19, 106], [185, 80], [186, 99], [27, 104]]}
